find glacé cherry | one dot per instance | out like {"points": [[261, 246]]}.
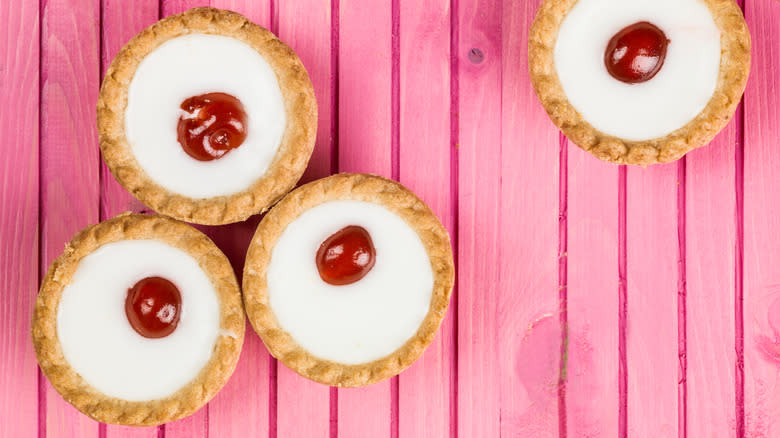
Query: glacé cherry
{"points": [[213, 125], [153, 307], [636, 53], [346, 256]]}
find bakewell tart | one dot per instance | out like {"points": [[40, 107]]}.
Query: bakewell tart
{"points": [[348, 278], [207, 117], [639, 81], [139, 321]]}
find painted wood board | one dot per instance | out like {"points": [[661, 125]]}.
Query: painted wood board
{"points": [[477, 124], [592, 287], [650, 260], [529, 236], [422, 94], [710, 242], [70, 183], [19, 223], [758, 327]]}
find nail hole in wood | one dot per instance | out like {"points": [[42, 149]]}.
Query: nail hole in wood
{"points": [[476, 56]]}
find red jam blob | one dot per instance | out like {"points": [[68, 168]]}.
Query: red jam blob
{"points": [[214, 124], [636, 53], [153, 307], [346, 256]]}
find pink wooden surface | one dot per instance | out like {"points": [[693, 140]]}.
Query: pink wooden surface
{"points": [[651, 280], [760, 323], [70, 184], [19, 221], [424, 159], [592, 300]]}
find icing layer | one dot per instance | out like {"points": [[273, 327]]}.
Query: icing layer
{"points": [[100, 344], [362, 321], [191, 65], [667, 102]]}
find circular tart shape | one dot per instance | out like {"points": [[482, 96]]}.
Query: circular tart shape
{"points": [[89, 350], [690, 99], [199, 52], [360, 333]]}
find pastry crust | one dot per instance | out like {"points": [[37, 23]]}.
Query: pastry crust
{"points": [[361, 187], [73, 388], [294, 150], [732, 78]]}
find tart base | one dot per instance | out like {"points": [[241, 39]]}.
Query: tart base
{"points": [[73, 388], [359, 187], [297, 141], [732, 79]]}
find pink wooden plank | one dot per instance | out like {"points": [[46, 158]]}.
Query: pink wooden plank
{"points": [[652, 255], [307, 26], [426, 390], [257, 11], [170, 7], [19, 129], [761, 317], [365, 120], [120, 23], [710, 236], [303, 406], [70, 186], [477, 85], [592, 296], [528, 301], [243, 407]]}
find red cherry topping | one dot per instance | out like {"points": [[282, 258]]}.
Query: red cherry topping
{"points": [[153, 307], [636, 53], [346, 256], [214, 124]]}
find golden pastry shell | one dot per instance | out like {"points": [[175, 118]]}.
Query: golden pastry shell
{"points": [[87, 399], [732, 79], [360, 187], [297, 141]]}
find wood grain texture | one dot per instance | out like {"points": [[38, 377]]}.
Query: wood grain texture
{"points": [[478, 25], [170, 7], [364, 105], [309, 28], [426, 388], [69, 159], [258, 11], [303, 407], [710, 238], [652, 253], [121, 23], [592, 297], [761, 222], [528, 301], [241, 409], [19, 129]]}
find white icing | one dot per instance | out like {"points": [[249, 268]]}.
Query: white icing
{"points": [[192, 65], [100, 344], [667, 102], [362, 321]]}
